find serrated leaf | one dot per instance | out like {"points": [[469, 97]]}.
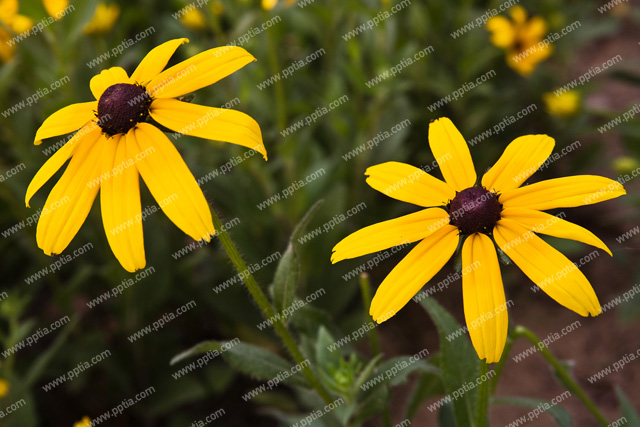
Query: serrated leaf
{"points": [[560, 415], [627, 410], [459, 363], [288, 271]]}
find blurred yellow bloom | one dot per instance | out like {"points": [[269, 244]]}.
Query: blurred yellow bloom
{"points": [[194, 19], [17, 23], [4, 388], [103, 19], [114, 146], [84, 422], [563, 105], [521, 38], [499, 211], [55, 7], [270, 4], [6, 51], [217, 7], [625, 164]]}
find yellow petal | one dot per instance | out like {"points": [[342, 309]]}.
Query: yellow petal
{"points": [[65, 120], [519, 161], [54, 7], [399, 231], [533, 31], [409, 184], [518, 14], [8, 11], [411, 274], [553, 272], [452, 154], [502, 31], [21, 23], [566, 192], [171, 182], [551, 225], [155, 61], [109, 77], [199, 71], [120, 203], [485, 308], [89, 132], [219, 124], [71, 199]]}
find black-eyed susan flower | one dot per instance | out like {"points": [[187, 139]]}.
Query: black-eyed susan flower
{"points": [[84, 422], [103, 19], [564, 105], [499, 210], [521, 38], [115, 145]]}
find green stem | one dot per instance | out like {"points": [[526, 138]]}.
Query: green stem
{"points": [[562, 373], [365, 290], [483, 396], [267, 309]]}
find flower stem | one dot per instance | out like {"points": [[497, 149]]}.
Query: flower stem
{"points": [[483, 396], [267, 309], [500, 366], [562, 373]]}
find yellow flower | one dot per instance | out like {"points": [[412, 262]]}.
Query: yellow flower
{"points": [[500, 208], [17, 23], [55, 7], [625, 164], [114, 146], [270, 4], [194, 19], [564, 105], [84, 422], [521, 38], [103, 19], [4, 388]]}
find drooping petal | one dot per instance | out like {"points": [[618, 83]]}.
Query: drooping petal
{"points": [[109, 77], [155, 61], [551, 225], [71, 199], [89, 131], [120, 204], [519, 161], [383, 235], [485, 308], [502, 31], [199, 71], [415, 269], [170, 181], [219, 124], [452, 154], [553, 272], [409, 184], [566, 192], [65, 120]]}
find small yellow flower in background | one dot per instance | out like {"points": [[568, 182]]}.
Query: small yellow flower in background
{"points": [[270, 4], [625, 164], [564, 105], [500, 208], [217, 7], [55, 7], [4, 388], [103, 19], [194, 19], [114, 146], [84, 422], [10, 18], [521, 39]]}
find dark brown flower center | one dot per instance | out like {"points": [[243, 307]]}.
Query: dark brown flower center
{"points": [[474, 210], [121, 107]]}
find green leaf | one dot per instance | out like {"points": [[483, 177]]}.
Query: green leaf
{"points": [[557, 412], [324, 357], [627, 410], [288, 271], [460, 364], [429, 384], [251, 360]]}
